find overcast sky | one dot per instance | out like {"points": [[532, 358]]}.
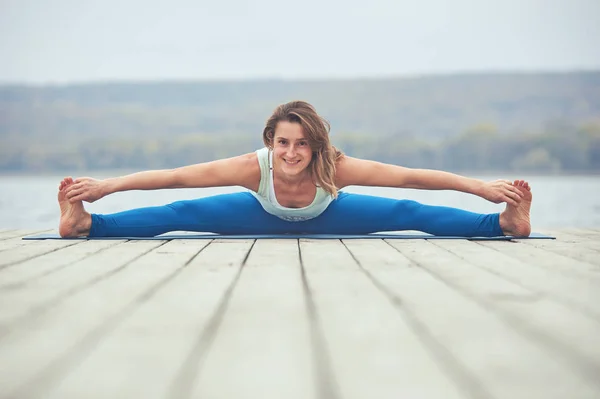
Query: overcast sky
{"points": [[58, 41]]}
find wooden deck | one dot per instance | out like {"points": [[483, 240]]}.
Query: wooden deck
{"points": [[300, 318]]}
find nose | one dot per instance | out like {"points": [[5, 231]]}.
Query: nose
{"points": [[291, 150]]}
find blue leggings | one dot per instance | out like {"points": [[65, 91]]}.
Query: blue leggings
{"points": [[241, 213]]}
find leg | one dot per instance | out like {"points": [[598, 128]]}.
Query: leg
{"points": [[360, 214], [238, 213]]}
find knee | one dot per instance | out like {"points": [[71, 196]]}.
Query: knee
{"points": [[187, 209], [407, 206], [180, 205]]}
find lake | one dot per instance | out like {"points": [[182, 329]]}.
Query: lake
{"points": [[29, 202]]}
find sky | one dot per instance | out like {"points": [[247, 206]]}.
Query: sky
{"points": [[75, 41]]}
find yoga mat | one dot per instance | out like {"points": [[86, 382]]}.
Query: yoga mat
{"points": [[398, 236]]}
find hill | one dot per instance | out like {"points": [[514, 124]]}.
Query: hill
{"points": [[192, 118]]}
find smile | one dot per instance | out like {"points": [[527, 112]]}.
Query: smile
{"points": [[291, 162]]}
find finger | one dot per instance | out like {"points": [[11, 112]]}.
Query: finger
{"points": [[514, 196], [76, 199], [73, 193], [511, 201], [74, 187], [515, 190]]}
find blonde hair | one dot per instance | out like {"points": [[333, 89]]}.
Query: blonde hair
{"points": [[316, 130]]}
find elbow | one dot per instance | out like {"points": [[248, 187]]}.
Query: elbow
{"points": [[175, 178]]}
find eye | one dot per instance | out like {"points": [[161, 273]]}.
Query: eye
{"points": [[303, 143], [280, 141]]}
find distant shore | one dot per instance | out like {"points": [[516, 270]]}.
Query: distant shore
{"points": [[103, 173]]}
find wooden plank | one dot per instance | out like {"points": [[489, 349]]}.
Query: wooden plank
{"points": [[576, 234], [37, 355], [15, 239], [14, 242], [19, 254], [263, 344], [580, 295], [580, 239], [475, 340], [21, 233], [16, 277], [158, 349], [552, 262], [32, 300], [373, 351], [568, 249], [584, 232], [532, 314]]}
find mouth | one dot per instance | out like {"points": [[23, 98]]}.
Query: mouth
{"points": [[291, 162]]}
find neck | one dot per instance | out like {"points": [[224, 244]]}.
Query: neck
{"points": [[290, 180], [294, 180]]}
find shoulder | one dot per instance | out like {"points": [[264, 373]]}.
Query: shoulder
{"points": [[350, 171], [246, 164], [362, 172], [242, 170]]}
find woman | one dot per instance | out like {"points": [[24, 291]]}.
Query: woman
{"points": [[294, 185]]}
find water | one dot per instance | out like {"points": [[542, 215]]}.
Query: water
{"points": [[29, 202]]}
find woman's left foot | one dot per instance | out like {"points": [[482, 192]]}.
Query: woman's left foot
{"points": [[515, 220]]}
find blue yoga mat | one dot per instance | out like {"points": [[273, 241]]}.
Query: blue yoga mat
{"points": [[398, 236]]}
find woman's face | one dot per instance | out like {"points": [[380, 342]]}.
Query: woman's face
{"points": [[291, 151]]}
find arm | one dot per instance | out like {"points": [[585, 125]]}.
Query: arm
{"points": [[238, 171], [353, 171]]}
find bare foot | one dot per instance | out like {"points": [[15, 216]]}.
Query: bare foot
{"points": [[74, 220], [514, 221]]}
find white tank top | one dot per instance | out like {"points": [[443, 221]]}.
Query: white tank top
{"points": [[266, 194]]}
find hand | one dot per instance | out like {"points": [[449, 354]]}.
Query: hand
{"points": [[501, 191], [86, 189]]}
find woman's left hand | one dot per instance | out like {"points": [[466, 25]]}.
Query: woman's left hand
{"points": [[501, 191]]}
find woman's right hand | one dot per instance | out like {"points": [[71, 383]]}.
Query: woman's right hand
{"points": [[86, 189]]}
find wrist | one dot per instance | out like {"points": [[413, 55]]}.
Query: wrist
{"points": [[107, 186], [477, 187]]}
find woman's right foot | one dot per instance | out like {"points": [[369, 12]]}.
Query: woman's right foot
{"points": [[515, 220], [74, 220]]}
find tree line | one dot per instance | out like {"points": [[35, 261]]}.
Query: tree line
{"points": [[481, 148], [546, 122]]}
